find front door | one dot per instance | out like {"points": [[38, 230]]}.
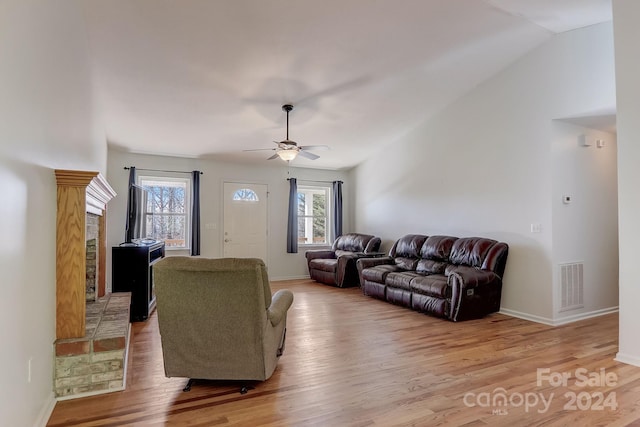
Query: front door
{"points": [[245, 220]]}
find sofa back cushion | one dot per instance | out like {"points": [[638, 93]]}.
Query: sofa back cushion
{"points": [[496, 259], [434, 254], [472, 252], [437, 248], [406, 251], [352, 242]]}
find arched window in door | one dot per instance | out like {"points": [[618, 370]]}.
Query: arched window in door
{"points": [[245, 195]]}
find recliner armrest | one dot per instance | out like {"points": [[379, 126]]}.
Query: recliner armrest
{"points": [[319, 254], [346, 263], [473, 278], [280, 303], [473, 293]]}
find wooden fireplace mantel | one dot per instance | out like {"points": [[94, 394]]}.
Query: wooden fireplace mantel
{"points": [[79, 192]]}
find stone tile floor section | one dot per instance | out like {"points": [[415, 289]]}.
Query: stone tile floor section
{"points": [[95, 363]]}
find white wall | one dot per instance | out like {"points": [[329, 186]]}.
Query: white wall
{"points": [[585, 230], [47, 121], [483, 166], [627, 34], [274, 174]]}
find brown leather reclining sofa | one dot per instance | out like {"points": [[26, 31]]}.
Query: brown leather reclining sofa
{"points": [[337, 267], [449, 277]]}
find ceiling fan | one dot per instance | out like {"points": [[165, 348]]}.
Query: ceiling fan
{"points": [[287, 149]]}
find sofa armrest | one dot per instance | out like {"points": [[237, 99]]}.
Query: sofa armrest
{"points": [[280, 303], [346, 268], [320, 253], [363, 263], [474, 293]]}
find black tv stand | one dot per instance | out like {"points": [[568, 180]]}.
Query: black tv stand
{"points": [[132, 271]]}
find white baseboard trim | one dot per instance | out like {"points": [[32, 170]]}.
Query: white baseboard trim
{"points": [[587, 315], [527, 316], [559, 321], [277, 279], [46, 411], [628, 359]]}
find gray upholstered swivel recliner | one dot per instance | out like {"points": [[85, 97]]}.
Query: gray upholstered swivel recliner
{"points": [[218, 319]]}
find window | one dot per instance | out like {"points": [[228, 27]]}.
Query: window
{"points": [[313, 215], [245, 195], [168, 210]]}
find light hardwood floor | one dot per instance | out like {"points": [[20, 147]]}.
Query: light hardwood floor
{"points": [[351, 360]]}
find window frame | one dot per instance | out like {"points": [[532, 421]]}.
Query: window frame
{"points": [[311, 189], [143, 181]]}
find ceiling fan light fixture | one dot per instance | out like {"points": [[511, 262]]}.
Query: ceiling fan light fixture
{"points": [[287, 155]]}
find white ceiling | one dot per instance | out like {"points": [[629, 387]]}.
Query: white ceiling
{"points": [[203, 78]]}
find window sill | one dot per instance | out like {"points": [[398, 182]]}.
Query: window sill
{"points": [[315, 245], [173, 248]]}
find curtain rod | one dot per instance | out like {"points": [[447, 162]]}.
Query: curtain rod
{"points": [[159, 170], [311, 180]]}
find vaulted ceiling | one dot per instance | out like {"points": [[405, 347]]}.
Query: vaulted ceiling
{"points": [[205, 78]]}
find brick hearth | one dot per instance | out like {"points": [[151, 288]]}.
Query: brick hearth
{"points": [[95, 363]]}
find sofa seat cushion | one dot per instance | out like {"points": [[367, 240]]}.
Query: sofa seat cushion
{"points": [[379, 272], [374, 289], [399, 296], [428, 304], [324, 264], [433, 285], [401, 279]]}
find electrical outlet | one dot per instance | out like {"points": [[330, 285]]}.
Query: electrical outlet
{"points": [[536, 227]]}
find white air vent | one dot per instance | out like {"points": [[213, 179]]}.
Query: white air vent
{"points": [[571, 286]]}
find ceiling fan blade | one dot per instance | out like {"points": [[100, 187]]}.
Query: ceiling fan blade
{"points": [[315, 147], [308, 155], [275, 156], [261, 149]]}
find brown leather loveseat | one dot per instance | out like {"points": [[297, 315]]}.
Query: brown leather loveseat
{"points": [[337, 267], [450, 277]]}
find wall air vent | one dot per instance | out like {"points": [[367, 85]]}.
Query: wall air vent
{"points": [[571, 286]]}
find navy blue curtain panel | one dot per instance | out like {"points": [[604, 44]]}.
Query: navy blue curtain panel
{"points": [[131, 205], [337, 209], [292, 223], [195, 214]]}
